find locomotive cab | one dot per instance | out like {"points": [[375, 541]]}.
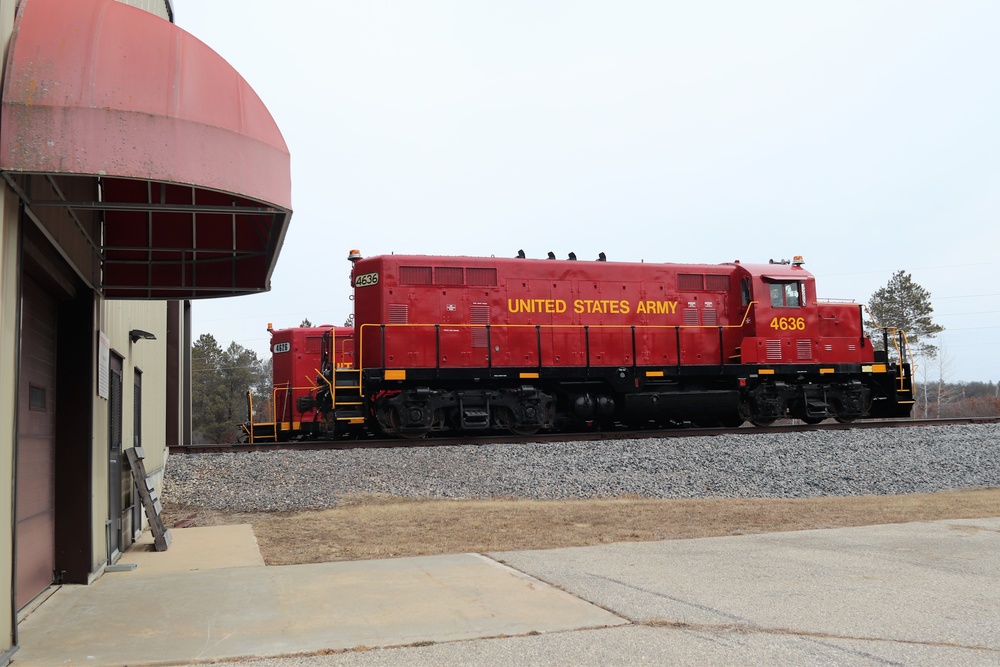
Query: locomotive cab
{"points": [[809, 359]]}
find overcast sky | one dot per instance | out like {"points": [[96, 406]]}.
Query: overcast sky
{"points": [[864, 136]]}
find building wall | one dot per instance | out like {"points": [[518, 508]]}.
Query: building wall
{"points": [[115, 319], [8, 423], [8, 374]]}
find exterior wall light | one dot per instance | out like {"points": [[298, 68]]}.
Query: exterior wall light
{"points": [[136, 334]]}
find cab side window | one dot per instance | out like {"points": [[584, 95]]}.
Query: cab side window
{"points": [[792, 299], [745, 291], [786, 295]]}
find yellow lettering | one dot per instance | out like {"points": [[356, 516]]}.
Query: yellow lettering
{"points": [[624, 306], [560, 306]]}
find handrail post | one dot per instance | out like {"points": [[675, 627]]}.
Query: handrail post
{"points": [[489, 351], [677, 337], [382, 326], [633, 347], [437, 349], [722, 351], [538, 343], [250, 413]]}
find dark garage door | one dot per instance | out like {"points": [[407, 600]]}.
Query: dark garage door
{"points": [[36, 443]]}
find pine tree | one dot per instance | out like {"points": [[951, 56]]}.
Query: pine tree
{"points": [[219, 382], [903, 304]]}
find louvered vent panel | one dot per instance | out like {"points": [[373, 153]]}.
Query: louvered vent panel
{"points": [[480, 316], [709, 317], [415, 275], [774, 350], [804, 348], [480, 276], [828, 347], [449, 275], [852, 347], [690, 317], [690, 281], [717, 283], [399, 313]]}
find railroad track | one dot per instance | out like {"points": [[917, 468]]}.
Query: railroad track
{"points": [[541, 438]]}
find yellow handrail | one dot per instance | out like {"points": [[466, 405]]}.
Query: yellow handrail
{"points": [[359, 357], [893, 333]]}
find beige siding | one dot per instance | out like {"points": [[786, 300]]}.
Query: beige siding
{"points": [[116, 319], [8, 389], [8, 365]]}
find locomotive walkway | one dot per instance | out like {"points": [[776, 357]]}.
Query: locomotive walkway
{"points": [[914, 594]]}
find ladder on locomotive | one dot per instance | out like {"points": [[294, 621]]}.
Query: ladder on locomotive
{"points": [[348, 403]]}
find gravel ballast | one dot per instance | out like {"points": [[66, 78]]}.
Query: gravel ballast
{"points": [[754, 465]]}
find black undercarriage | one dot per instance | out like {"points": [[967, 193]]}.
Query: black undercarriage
{"points": [[565, 399]]}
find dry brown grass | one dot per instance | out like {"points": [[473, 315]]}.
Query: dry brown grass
{"points": [[379, 527]]}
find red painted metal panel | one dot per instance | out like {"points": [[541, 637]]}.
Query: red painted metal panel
{"points": [[297, 360], [545, 313], [99, 87], [194, 175]]}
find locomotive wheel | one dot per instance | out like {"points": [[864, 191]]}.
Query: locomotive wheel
{"points": [[762, 422], [812, 420], [409, 434], [506, 419], [845, 420]]}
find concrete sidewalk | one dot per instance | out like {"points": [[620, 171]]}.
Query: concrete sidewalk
{"points": [[922, 593]]}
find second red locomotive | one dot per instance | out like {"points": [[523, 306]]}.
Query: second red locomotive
{"points": [[470, 344]]}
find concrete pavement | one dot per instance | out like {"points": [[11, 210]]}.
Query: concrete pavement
{"points": [[908, 594]]}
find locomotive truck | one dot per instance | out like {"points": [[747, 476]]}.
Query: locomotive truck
{"points": [[474, 344]]}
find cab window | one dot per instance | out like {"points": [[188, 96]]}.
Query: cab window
{"points": [[745, 291], [786, 295]]}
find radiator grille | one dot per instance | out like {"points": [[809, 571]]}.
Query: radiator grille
{"points": [[710, 317], [804, 348], [314, 344], [415, 275], [449, 275], [690, 317], [690, 281], [717, 283], [774, 350], [481, 276]]}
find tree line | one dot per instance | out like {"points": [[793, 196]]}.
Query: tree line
{"points": [[220, 379]]}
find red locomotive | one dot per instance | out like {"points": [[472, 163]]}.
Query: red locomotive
{"points": [[300, 358], [470, 344]]}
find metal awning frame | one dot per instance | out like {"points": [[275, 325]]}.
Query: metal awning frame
{"points": [[260, 217]]}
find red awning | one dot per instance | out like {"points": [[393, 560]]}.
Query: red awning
{"points": [[113, 113]]}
